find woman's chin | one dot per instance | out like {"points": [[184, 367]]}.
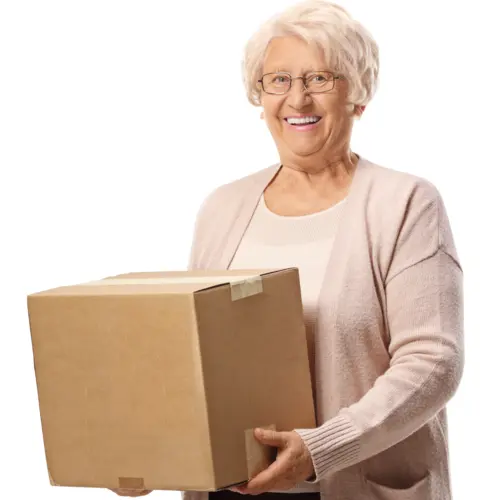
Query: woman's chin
{"points": [[304, 150]]}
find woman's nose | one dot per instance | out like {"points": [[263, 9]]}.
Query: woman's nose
{"points": [[298, 94]]}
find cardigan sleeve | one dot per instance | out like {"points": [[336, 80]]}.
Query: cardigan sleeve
{"points": [[424, 307], [205, 213]]}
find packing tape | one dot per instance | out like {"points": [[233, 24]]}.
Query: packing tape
{"points": [[51, 479], [131, 483], [259, 456], [181, 280], [246, 287], [241, 286]]}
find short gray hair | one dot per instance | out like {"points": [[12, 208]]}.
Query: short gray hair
{"points": [[348, 47]]}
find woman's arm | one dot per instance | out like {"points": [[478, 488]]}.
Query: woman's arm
{"points": [[425, 318]]}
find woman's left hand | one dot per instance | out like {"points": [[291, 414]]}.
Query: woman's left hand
{"points": [[293, 463]]}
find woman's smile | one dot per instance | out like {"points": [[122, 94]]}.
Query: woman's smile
{"points": [[302, 123]]}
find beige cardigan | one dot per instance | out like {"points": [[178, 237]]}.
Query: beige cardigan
{"points": [[389, 337]]}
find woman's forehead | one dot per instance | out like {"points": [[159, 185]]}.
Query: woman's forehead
{"points": [[292, 55]]}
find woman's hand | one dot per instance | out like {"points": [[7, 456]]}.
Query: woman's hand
{"points": [[293, 463], [128, 492]]}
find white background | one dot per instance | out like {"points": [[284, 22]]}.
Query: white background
{"points": [[105, 159]]}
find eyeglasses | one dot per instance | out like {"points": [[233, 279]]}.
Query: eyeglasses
{"points": [[315, 83]]}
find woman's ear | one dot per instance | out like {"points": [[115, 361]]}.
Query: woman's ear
{"points": [[359, 111]]}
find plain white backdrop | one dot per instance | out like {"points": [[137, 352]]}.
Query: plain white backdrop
{"points": [[108, 145]]}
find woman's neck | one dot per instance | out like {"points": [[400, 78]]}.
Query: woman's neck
{"points": [[300, 192], [335, 172]]}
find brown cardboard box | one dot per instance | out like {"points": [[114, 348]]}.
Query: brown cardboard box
{"points": [[156, 380]]}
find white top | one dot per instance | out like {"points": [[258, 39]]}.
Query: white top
{"points": [[308, 240]]}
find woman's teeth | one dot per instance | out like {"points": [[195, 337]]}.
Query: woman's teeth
{"points": [[303, 121]]}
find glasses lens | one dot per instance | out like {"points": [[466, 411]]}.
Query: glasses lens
{"points": [[322, 81], [276, 83]]}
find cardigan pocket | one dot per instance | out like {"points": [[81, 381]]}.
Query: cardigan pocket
{"points": [[421, 490]]}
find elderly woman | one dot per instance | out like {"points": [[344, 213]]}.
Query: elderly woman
{"points": [[380, 276]]}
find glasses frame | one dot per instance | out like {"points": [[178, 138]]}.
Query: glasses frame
{"points": [[303, 78]]}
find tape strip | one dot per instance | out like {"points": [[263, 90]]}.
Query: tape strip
{"points": [[171, 281], [259, 456], [51, 479], [241, 286], [246, 288], [131, 483]]}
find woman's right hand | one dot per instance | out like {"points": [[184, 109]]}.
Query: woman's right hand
{"points": [[128, 492]]}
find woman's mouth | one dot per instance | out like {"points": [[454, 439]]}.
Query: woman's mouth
{"points": [[303, 124]]}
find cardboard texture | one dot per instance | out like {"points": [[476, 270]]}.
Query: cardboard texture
{"points": [[154, 380]]}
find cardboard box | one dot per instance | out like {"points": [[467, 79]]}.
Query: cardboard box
{"points": [[156, 380]]}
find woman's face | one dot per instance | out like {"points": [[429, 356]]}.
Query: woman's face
{"points": [[330, 136]]}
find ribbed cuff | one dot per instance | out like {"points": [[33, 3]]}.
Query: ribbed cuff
{"points": [[333, 446]]}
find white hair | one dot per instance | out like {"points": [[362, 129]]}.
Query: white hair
{"points": [[347, 46]]}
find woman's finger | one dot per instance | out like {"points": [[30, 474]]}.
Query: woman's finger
{"points": [[275, 473], [128, 492], [271, 437]]}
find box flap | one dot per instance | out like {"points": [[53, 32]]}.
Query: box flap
{"points": [[243, 283]]}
